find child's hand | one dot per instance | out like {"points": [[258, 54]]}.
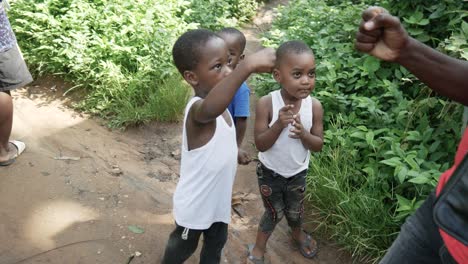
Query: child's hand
{"points": [[286, 116], [243, 157], [261, 61], [297, 130]]}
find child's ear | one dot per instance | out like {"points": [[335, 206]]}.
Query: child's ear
{"points": [[242, 57], [276, 75], [191, 78]]}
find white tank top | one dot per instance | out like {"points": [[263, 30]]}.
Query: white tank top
{"points": [[288, 156], [203, 193]]}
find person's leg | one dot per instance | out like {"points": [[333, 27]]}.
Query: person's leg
{"points": [[294, 200], [419, 240], [13, 74], [271, 189], [214, 239], [181, 245], [6, 121]]}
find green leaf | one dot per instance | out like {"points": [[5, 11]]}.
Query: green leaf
{"points": [[414, 136], [370, 138], [358, 134], [420, 180], [393, 162], [403, 203], [136, 229], [371, 64], [369, 170], [414, 165], [464, 27], [423, 22], [402, 173]]}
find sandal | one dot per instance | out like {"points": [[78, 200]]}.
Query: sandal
{"points": [[20, 147], [252, 259], [306, 244]]}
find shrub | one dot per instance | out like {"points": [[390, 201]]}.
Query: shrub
{"points": [[387, 136], [118, 51], [214, 14]]}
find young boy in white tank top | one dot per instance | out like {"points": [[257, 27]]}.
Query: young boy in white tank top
{"points": [[202, 199], [288, 126]]}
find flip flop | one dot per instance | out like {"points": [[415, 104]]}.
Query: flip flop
{"points": [[306, 244], [20, 147], [251, 258]]}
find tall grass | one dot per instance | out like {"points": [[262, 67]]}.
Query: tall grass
{"points": [[166, 103], [347, 206]]}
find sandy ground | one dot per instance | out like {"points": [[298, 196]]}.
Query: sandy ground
{"points": [[72, 196]]}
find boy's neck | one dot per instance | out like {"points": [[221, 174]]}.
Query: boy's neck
{"points": [[200, 93], [288, 99]]}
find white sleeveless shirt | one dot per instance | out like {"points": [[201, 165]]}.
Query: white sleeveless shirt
{"points": [[288, 156], [203, 193]]}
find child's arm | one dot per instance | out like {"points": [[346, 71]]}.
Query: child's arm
{"points": [[241, 127], [241, 112], [312, 140], [243, 157], [218, 99], [266, 136]]}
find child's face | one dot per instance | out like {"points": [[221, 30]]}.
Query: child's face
{"points": [[213, 65], [296, 74], [235, 48]]}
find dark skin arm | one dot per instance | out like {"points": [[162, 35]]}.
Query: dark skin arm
{"points": [[243, 157], [218, 99], [264, 135], [241, 127], [313, 139], [382, 35]]}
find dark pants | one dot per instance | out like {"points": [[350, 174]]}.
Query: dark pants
{"points": [[183, 242], [281, 197], [419, 240]]}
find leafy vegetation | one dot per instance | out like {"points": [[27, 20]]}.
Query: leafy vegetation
{"points": [[387, 137], [118, 51], [214, 14]]}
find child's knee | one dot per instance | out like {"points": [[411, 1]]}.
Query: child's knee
{"points": [[294, 217], [270, 219]]}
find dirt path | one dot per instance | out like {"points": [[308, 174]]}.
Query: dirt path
{"points": [[71, 197]]}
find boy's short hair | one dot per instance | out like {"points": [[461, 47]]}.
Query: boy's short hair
{"points": [[186, 50], [293, 46], [237, 33]]}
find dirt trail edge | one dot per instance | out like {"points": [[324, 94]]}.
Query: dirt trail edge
{"points": [[84, 194]]}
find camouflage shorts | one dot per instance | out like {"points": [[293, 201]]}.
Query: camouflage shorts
{"points": [[281, 197]]}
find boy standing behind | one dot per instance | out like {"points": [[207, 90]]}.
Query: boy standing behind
{"points": [[288, 126], [202, 199], [240, 104]]}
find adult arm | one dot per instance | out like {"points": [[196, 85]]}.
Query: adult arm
{"points": [[383, 36]]}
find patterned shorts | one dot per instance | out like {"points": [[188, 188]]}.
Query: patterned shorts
{"points": [[281, 197]]}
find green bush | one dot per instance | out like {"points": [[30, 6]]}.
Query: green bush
{"points": [[214, 14], [118, 51], [387, 136]]}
